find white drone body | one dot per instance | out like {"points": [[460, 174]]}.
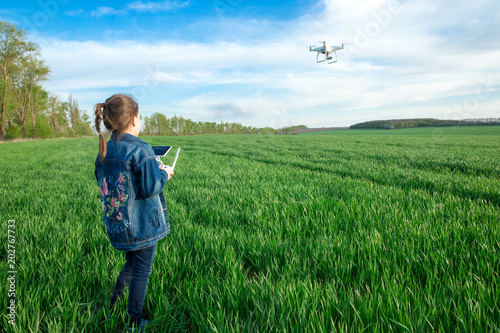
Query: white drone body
{"points": [[328, 51]]}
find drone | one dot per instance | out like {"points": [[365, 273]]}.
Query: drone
{"points": [[327, 51]]}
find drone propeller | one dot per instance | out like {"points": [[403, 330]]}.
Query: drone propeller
{"points": [[318, 44]]}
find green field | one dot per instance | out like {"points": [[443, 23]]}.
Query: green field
{"points": [[300, 233]]}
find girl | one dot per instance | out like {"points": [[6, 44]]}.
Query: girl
{"points": [[133, 205]]}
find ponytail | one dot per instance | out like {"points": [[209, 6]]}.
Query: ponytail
{"points": [[117, 113], [98, 118]]}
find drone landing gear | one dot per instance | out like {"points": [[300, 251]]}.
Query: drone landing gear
{"points": [[328, 58], [317, 58]]}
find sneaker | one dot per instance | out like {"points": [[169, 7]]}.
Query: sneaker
{"points": [[142, 324]]}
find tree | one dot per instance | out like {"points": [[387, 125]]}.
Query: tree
{"points": [[37, 71], [13, 45], [163, 124], [181, 126], [22, 91], [147, 125], [85, 126], [54, 109], [174, 124], [73, 112], [24, 81]]}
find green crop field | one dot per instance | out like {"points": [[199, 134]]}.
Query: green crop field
{"points": [[317, 233]]}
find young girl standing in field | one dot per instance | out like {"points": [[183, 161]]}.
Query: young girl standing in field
{"points": [[133, 205]]}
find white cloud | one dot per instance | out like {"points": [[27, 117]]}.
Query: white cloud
{"points": [[76, 12], [137, 6], [403, 59], [104, 11], [155, 7]]}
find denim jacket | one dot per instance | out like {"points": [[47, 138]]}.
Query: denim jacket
{"points": [[131, 189]]}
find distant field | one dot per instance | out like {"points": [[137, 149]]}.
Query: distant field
{"points": [[270, 234], [421, 131]]}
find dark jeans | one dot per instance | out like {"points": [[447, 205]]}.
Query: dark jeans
{"points": [[135, 274]]}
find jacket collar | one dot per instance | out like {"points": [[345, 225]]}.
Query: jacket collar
{"points": [[118, 136]]}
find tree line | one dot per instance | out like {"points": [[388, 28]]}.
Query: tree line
{"points": [[159, 124], [424, 122], [27, 110]]}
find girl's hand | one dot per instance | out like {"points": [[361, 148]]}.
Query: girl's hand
{"points": [[169, 171]]}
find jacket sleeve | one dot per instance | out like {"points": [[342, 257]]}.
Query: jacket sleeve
{"points": [[151, 178]]}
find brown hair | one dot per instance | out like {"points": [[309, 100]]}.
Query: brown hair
{"points": [[117, 113]]}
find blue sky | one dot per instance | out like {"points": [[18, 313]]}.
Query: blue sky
{"points": [[249, 61]]}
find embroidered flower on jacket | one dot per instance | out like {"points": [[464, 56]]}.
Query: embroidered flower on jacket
{"points": [[103, 187], [113, 200]]}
